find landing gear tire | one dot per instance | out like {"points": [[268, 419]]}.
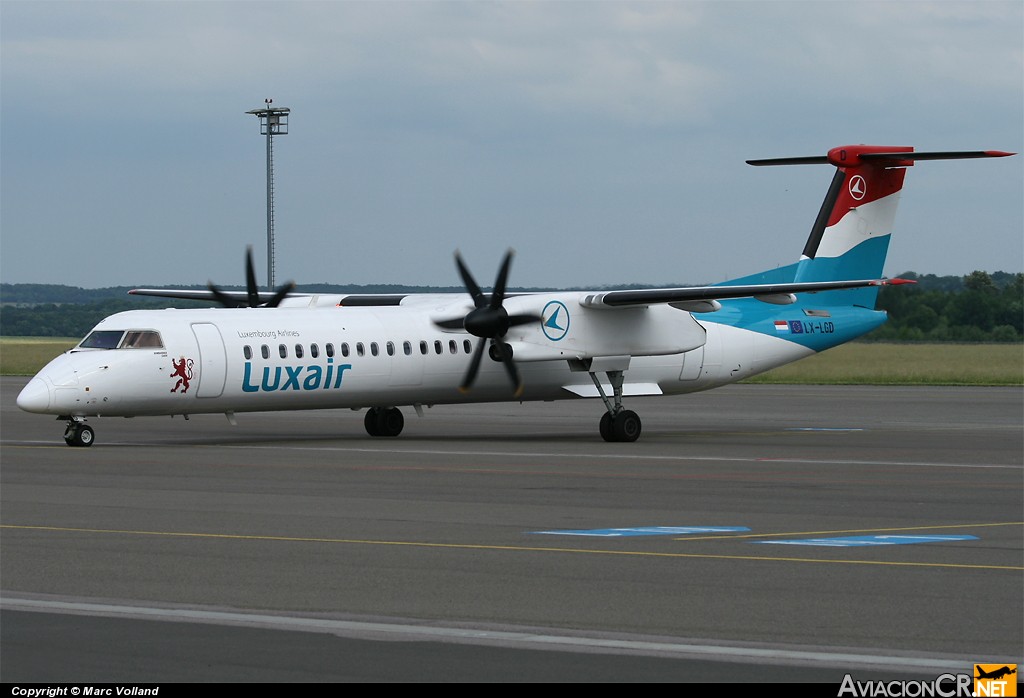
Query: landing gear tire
{"points": [[616, 423], [391, 422], [370, 421], [384, 421], [626, 426], [79, 435]]}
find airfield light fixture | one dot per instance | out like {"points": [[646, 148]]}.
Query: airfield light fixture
{"points": [[273, 122]]}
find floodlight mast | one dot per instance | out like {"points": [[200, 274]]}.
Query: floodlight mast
{"points": [[273, 122]]}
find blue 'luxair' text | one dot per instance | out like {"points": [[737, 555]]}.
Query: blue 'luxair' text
{"points": [[295, 377]]}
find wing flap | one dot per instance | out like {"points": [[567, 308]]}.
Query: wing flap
{"points": [[628, 389]]}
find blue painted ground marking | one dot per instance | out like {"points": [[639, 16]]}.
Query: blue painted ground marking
{"points": [[857, 541], [647, 531]]}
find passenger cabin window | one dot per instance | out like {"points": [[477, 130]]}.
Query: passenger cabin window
{"points": [[247, 351], [437, 346], [423, 347], [407, 348], [298, 351], [373, 348], [283, 351], [330, 350], [453, 346], [265, 351], [467, 346], [344, 349], [314, 350], [359, 349], [391, 348]]}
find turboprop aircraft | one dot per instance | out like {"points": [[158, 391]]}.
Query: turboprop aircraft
{"points": [[296, 351]]}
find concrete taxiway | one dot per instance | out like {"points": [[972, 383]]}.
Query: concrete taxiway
{"points": [[295, 547]]}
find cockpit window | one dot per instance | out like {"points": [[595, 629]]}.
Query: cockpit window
{"points": [[119, 339], [102, 339], [142, 339]]}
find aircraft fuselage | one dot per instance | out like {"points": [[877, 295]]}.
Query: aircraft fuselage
{"points": [[241, 360]]}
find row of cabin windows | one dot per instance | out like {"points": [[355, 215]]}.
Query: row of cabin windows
{"points": [[360, 349]]}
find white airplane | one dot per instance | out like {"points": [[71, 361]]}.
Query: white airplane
{"points": [[291, 351]]}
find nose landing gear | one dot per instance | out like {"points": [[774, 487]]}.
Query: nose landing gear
{"points": [[78, 433]]}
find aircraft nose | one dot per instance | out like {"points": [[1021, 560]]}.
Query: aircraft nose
{"points": [[35, 397]]}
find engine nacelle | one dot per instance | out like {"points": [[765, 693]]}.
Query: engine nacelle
{"points": [[569, 330]]}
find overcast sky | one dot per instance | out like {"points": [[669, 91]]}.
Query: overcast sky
{"points": [[605, 142]]}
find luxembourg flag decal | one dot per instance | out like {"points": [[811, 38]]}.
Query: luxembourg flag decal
{"points": [[781, 326]]}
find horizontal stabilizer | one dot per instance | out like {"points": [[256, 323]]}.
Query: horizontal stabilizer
{"points": [[809, 160], [851, 156]]}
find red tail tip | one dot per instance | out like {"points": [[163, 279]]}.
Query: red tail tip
{"points": [[900, 282]]}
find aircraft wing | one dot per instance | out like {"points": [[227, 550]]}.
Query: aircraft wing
{"points": [[241, 298], [205, 294], [697, 297]]}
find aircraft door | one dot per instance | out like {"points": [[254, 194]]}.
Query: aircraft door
{"points": [[213, 360]]}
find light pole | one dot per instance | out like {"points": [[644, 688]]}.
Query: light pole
{"points": [[273, 122]]}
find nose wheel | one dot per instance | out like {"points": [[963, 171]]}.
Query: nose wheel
{"points": [[79, 434]]}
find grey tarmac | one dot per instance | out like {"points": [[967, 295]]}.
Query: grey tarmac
{"points": [[420, 557]]}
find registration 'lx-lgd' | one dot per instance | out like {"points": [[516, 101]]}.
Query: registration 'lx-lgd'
{"points": [[292, 351]]}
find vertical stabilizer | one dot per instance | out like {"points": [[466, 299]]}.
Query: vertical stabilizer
{"points": [[850, 236]]}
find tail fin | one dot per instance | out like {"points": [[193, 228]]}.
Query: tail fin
{"points": [[850, 236]]}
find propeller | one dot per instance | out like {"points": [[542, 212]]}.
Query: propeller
{"points": [[252, 289], [488, 320]]}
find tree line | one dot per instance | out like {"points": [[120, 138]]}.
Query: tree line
{"points": [[979, 307]]}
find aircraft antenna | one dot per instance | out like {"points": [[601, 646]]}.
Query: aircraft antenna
{"points": [[273, 122]]}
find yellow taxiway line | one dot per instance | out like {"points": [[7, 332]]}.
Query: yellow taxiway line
{"points": [[513, 548]]}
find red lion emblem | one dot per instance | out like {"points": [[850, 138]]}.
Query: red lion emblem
{"points": [[183, 372]]}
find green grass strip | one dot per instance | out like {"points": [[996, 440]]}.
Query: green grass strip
{"points": [[863, 363]]}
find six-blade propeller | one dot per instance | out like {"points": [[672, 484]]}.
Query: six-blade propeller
{"points": [[252, 290], [489, 320]]}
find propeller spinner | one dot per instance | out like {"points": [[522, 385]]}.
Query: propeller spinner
{"points": [[252, 289], [489, 321]]}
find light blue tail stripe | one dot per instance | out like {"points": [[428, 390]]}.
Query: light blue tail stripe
{"points": [[865, 261]]}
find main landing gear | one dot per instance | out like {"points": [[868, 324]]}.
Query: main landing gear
{"points": [[78, 433], [384, 421], [617, 424]]}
